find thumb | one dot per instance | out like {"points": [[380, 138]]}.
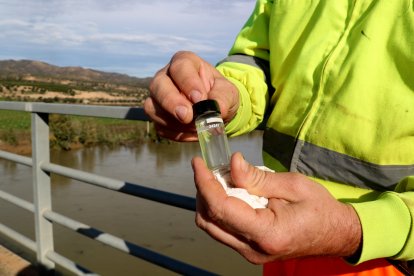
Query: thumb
{"points": [[291, 187], [247, 176]]}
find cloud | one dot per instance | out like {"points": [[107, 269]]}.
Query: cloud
{"points": [[139, 29]]}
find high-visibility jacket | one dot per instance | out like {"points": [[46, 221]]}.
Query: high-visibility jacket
{"points": [[334, 81]]}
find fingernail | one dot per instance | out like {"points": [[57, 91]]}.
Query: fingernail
{"points": [[195, 96], [181, 112]]}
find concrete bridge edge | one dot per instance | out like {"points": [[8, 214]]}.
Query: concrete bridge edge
{"points": [[14, 265]]}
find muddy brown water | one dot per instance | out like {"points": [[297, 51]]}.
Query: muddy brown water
{"points": [[168, 230]]}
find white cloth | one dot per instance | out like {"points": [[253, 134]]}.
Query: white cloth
{"points": [[253, 200]]}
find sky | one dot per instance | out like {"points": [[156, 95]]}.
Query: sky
{"points": [[124, 36]]}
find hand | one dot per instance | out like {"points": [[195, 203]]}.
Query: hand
{"points": [[185, 80], [302, 218]]}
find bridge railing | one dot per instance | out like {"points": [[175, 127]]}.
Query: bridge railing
{"points": [[41, 207]]}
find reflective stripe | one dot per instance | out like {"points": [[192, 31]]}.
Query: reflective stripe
{"points": [[315, 161], [253, 61]]}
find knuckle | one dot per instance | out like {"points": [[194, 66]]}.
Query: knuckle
{"points": [[259, 177], [181, 54], [188, 83], [199, 221], [213, 213], [153, 84], [176, 65], [148, 106]]}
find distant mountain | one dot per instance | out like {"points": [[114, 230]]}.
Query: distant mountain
{"points": [[30, 69]]}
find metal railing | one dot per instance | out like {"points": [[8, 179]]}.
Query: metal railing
{"points": [[45, 217]]}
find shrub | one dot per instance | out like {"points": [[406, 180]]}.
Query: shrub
{"points": [[10, 137], [88, 135], [63, 131]]}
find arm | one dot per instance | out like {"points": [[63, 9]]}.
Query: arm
{"points": [[387, 219], [247, 67]]}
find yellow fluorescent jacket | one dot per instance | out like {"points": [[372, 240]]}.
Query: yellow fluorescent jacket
{"points": [[335, 82]]}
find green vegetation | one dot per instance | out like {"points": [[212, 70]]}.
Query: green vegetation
{"points": [[38, 87], [34, 81], [14, 120], [69, 87], [67, 132], [76, 92]]}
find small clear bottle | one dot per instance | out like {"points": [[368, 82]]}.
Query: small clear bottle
{"points": [[213, 139]]}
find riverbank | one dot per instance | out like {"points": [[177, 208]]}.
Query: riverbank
{"points": [[23, 148], [71, 132]]}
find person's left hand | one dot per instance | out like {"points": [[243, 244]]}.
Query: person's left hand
{"points": [[301, 219]]}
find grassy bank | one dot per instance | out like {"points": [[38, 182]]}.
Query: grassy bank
{"points": [[68, 132]]}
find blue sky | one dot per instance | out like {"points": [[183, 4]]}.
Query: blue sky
{"points": [[125, 36]]}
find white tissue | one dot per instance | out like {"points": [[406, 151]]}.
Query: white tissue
{"points": [[253, 200]]}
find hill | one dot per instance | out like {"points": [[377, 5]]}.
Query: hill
{"points": [[22, 69], [29, 80]]}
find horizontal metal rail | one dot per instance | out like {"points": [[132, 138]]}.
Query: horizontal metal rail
{"points": [[17, 237], [28, 206], [115, 112], [45, 216], [55, 257], [16, 158], [68, 264], [123, 187], [125, 246]]}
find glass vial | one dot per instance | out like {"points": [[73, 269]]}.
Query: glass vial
{"points": [[213, 139]]}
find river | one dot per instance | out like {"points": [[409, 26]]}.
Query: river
{"points": [[161, 228]]}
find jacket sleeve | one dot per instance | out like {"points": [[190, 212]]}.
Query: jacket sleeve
{"points": [[246, 67], [387, 224]]}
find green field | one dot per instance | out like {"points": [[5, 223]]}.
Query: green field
{"points": [[19, 120], [39, 86], [67, 131], [14, 120]]}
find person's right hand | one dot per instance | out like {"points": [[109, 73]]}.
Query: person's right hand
{"points": [[302, 219], [185, 80]]}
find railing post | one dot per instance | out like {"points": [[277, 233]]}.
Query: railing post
{"points": [[42, 188]]}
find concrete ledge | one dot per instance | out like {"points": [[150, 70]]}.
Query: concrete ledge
{"points": [[13, 265]]}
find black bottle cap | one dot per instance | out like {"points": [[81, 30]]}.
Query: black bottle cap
{"points": [[206, 106]]}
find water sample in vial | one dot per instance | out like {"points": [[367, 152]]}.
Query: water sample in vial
{"points": [[213, 139]]}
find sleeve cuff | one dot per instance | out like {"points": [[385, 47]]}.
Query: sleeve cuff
{"points": [[385, 223], [253, 92], [240, 121]]}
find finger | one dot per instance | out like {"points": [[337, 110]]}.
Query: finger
{"points": [[237, 243], [163, 118], [206, 77], [230, 213], [204, 177], [247, 176], [166, 95], [262, 183], [168, 126], [189, 73], [226, 95]]}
